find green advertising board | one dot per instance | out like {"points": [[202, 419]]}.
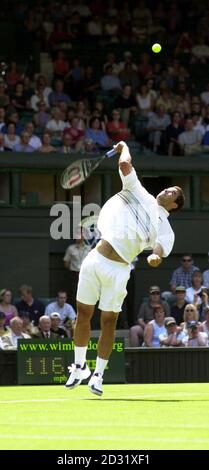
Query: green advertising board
{"points": [[46, 362]]}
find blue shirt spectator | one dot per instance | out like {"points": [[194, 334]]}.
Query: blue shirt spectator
{"points": [[58, 96], [24, 145], [95, 133], [183, 276]]}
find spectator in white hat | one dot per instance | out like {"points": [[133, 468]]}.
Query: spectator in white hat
{"points": [[55, 325]]}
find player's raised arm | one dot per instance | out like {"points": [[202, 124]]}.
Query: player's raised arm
{"points": [[125, 158]]}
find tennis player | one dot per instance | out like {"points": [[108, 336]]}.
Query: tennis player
{"points": [[129, 222]]}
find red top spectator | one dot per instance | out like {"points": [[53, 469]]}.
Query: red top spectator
{"points": [[117, 129], [74, 132]]}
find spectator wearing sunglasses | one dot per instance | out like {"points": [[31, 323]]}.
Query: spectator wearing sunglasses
{"points": [[195, 337], [182, 276], [177, 310], [190, 314]]}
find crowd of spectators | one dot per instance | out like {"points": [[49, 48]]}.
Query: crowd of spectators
{"points": [[85, 107], [56, 22], [181, 320], [31, 318]]}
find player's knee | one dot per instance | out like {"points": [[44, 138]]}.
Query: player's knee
{"points": [[109, 321], [84, 312]]}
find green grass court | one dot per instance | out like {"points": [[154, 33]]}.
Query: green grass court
{"points": [[165, 416]]}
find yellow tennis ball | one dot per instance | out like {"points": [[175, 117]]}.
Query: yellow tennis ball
{"points": [[156, 48]]}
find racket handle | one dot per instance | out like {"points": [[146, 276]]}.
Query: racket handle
{"points": [[111, 153]]}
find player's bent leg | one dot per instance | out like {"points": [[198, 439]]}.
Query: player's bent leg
{"points": [[108, 324], [80, 371], [83, 324], [105, 345]]}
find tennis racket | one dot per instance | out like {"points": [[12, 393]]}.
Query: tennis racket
{"points": [[80, 170]]}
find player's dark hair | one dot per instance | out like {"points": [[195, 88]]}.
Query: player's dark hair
{"points": [[180, 200]]}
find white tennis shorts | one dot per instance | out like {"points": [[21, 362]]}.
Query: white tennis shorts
{"points": [[104, 280]]}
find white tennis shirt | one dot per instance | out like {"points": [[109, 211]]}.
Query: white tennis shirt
{"points": [[132, 220]]}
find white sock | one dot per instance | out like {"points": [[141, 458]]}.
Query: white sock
{"points": [[80, 355], [100, 365]]}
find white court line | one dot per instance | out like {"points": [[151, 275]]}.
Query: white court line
{"points": [[41, 400], [132, 439], [106, 425]]}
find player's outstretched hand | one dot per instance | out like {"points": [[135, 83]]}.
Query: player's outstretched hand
{"points": [[154, 260], [119, 146]]}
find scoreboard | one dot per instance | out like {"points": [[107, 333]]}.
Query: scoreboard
{"points": [[43, 361]]}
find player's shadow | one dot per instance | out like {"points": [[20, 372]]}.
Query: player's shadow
{"points": [[145, 399]]}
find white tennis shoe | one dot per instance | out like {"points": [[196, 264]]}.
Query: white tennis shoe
{"points": [[77, 375], [95, 384]]}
